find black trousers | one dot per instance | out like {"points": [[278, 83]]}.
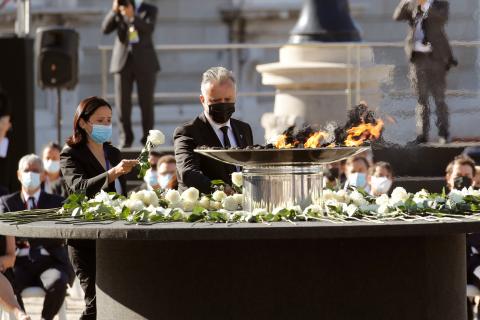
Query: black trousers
{"points": [[29, 274], [123, 99], [429, 78], [83, 257]]}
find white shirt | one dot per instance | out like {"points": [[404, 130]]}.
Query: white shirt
{"points": [[36, 196], [419, 35], [216, 127], [3, 147]]}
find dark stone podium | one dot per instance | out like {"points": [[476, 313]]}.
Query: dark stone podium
{"points": [[395, 270]]}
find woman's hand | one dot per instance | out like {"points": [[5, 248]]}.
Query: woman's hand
{"points": [[123, 167]]}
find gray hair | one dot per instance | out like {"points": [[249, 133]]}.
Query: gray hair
{"points": [[29, 159], [218, 75]]}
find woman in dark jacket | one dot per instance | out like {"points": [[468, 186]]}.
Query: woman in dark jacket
{"points": [[89, 164]]}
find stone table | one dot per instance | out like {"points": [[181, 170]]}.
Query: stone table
{"points": [[310, 270]]}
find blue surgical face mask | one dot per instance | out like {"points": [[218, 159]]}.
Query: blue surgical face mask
{"points": [[164, 180], [358, 180], [151, 178], [100, 133], [30, 180]]}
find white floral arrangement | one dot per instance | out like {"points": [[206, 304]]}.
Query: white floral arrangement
{"points": [[147, 207]]}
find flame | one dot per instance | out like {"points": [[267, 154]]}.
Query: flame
{"points": [[314, 141], [281, 142], [365, 131]]}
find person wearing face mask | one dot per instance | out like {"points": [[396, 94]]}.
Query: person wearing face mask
{"points": [[382, 178], [356, 170], [214, 127], [89, 163], [460, 173], [167, 178], [41, 262], [54, 182]]}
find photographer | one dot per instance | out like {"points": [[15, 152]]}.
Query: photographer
{"points": [[430, 55], [133, 60]]}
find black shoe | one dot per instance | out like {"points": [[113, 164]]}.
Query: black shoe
{"points": [[418, 140], [443, 140], [143, 140]]}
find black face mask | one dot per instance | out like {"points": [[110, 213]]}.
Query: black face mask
{"points": [[221, 112], [462, 182]]}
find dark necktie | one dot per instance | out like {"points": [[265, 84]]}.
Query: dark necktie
{"points": [[226, 141], [31, 203]]}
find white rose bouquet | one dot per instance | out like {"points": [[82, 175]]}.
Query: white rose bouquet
{"points": [[155, 138]]}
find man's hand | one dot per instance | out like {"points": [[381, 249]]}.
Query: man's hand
{"points": [[127, 11], [421, 2], [228, 190]]}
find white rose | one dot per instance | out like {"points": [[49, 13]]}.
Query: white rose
{"points": [[172, 196], [358, 198], [136, 196], [456, 196], [313, 209], [150, 198], [204, 202], [422, 194], [382, 200], [399, 194], [191, 194], [237, 179], [351, 209], [134, 204], [156, 137], [383, 209], [219, 195], [342, 196], [239, 199], [329, 195], [230, 203], [332, 203], [215, 205], [102, 196], [473, 192], [188, 205]]}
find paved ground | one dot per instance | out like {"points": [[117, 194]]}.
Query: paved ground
{"points": [[34, 308]]}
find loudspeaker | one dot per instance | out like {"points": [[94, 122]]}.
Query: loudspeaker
{"points": [[56, 50], [16, 81]]}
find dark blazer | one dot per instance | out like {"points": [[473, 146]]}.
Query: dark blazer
{"points": [[433, 27], [55, 247], [83, 173], [143, 52], [194, 170]]}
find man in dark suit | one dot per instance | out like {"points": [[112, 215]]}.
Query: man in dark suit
{"points": [[54, 182], [431, 56], [133, 59], [40, 262], [214, 127]]}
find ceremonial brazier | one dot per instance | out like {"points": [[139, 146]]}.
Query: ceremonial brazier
{"points": [[279, 178]]}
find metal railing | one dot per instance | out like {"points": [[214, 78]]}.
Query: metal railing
{"points": [[353, 53]]}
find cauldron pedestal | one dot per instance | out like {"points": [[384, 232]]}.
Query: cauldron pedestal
{"points": [[311, 270]]}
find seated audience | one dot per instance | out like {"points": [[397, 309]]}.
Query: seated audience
{"points": [[39, 262], [382, 178], [356, 171], [167, 176], [53, 182]]}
